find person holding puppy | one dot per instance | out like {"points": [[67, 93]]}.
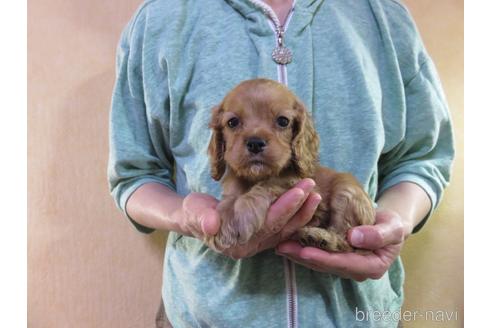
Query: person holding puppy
{"points": [[361, 69]]}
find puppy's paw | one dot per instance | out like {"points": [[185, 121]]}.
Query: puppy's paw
{"points": [[321, 217], [249, 216], [241, 219], [326, 239], [227, 235]]}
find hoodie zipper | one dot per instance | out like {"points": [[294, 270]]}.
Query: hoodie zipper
{"points": [[290, 285], [289, 267], [282, 61]]}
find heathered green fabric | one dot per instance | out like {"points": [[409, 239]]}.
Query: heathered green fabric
{"points": [[377, 103]]}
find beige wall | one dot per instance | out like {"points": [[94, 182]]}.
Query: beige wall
{"points": [[434, 257], [86, 266]]}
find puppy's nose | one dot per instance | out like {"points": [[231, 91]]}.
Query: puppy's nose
{"points": [[255, 145]]}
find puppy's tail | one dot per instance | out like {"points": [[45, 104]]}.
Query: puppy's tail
{"points": [[327, 239]]}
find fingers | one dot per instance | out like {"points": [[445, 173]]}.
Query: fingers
{"points": [[262, 242], [305, 184], [388, 230], [292, 249], [287, 205], [347, 265], [201, 217], [302, 217], [297, 204], [195, 202], [267, 241], [289, 224], [210, 222], [289, 247]]}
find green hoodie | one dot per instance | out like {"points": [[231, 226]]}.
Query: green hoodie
{"points": [[378, 106]]}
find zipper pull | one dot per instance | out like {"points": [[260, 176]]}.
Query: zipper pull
{"points": [[281, 54], [280, 37]]}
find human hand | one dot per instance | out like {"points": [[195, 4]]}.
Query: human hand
{"points": [[198, 216], [286, 215], [385, 239]]}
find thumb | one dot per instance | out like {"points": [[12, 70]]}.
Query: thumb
{"points": [[377, 236], [209, 222]]}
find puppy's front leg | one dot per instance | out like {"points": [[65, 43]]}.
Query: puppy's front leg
{"points": [[226, 237], [250, 211], [248, 214]]}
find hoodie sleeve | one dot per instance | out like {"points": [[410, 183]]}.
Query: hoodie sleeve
{"points": [[424, 156], [139, 150]]}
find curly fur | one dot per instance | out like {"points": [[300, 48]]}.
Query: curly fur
{"points": [[253, 179]]}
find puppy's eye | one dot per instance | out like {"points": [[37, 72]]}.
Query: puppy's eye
{"points": [[283, 121], [233, 122]]}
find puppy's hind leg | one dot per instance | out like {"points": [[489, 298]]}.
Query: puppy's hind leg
{"points": [[318, 233], [327, 239], [349, 206]]}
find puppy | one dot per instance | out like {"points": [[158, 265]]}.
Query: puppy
{"points": [[263, 143]]}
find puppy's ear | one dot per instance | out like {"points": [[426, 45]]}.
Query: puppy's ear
{"points": [[216, 147], [305, 143]]}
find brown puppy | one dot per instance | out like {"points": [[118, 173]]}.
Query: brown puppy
{"points": [[263, 143]]}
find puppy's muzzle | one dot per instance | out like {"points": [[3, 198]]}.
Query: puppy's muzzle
{"points": [[255, 145]]}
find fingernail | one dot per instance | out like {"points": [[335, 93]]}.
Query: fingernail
{"points": [[304, 256], [312, 183], [209, 227], [356, 238], [299, 195]]}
